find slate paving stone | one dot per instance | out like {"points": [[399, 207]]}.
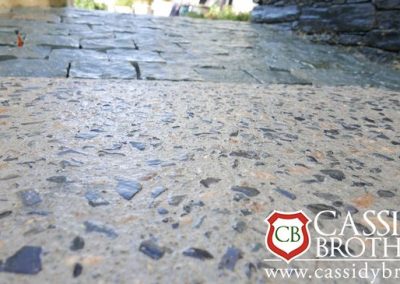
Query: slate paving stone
{"points": [[32, 68], [134, 55], [104, 44], [170, 72], [102, 70], [267, 76], [227, 52], [70, 55], [225, 75], [28, 52], [8, 39], [53, 41]]}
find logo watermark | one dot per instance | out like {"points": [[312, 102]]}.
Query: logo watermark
{"points": [[367, 249]]}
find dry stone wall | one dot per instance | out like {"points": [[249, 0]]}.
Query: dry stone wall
{"points": [[373, 23]]}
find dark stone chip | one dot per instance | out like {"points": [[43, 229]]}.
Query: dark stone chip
{"points": [[248, 191], [316, 208], [229, 259], [327, 196], [151, 249], [94, 199], [157, 191], [5, 214], [384, 157], [138, 145], [162, 211], [25, 261], [77, 270], [286, 193], [361, 184], [128, 188], [394, 214], [331, 132], [385, 193], [198, 253], [77, 243], [249, 268], [100, 228], [57, 179], [245, 154], [29, 197], [86, 136], [209, 181], [339, 251], [335, 174], [175, 200], [239, 226], [351, 209]]}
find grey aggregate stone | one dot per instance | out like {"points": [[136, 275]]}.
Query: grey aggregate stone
{"points": [[30, 197]]}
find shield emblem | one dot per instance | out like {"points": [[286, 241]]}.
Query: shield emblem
{"points": [[287, 236]]}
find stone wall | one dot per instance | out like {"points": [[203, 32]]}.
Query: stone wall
{"points": [[32, 3], [373, 23]]}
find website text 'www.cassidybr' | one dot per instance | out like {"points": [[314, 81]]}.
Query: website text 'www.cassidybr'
{"points": [[350, 251], [355, 271]]}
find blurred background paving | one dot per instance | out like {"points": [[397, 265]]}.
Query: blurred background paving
{"points": [[73, 43]]}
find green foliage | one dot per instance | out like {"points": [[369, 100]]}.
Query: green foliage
{"points": [[128, 3], [226, 13], [90, 5], [194, 15]]}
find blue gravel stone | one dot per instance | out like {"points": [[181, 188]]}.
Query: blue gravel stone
{"points": [[128, 188], [25, 261]]}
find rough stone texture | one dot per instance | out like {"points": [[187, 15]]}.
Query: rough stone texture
{"points": [[352, 17], [272, 14], [369, 19], [389, 40], [387, 4], [334, 148]]}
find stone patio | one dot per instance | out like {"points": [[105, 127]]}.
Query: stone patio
{"points": [[108, 177], [73, 43]]}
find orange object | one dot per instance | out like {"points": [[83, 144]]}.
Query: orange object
{"points": [[20, 41]]}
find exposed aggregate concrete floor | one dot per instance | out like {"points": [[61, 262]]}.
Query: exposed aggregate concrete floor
{"points": [[110, 181]]}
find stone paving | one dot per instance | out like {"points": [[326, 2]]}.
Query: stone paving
{"points": [[113, 181], [88, 44]]}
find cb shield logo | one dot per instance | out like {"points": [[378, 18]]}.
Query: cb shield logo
{"points": [[287, 236]]}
